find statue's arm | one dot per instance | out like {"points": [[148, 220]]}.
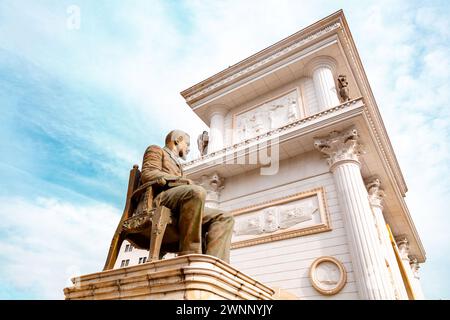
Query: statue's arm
{"points": [[152, 166]]}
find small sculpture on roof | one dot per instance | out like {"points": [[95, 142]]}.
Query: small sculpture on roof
{"points": [[202, 142], [343, 88]]}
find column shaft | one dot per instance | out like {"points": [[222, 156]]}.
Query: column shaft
{"points": [[325, 88], [216, 134], [411, 268], [361, 228], [398, 285]]}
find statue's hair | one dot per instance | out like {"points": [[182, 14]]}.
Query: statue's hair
{"points": [[175, 135]]}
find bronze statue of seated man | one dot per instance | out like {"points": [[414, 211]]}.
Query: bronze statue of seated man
{"points": [[200, 229]]}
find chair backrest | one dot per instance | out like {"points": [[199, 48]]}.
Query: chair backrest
{"points": [[133, 183], [118, 237], [133, 205]]}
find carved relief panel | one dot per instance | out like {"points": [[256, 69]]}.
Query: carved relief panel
{"points": [[287, 217], [269, 115]]}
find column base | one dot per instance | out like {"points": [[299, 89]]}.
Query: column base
{"points": [[189, 277]]}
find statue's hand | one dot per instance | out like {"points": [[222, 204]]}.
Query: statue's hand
{"points": [[161, 181], [185, 180]]}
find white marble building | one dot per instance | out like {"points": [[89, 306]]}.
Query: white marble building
{"points": [[311, 178]]}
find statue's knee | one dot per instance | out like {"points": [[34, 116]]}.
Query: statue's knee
{"points": [[229, 219], [198, 192]]}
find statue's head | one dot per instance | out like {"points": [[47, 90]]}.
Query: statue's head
{"points": [[342, 78], [178, 141]]}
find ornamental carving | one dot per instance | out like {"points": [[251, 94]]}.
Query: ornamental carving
{"points": [[403, 247], [376, 194], [414, 263], [275, 218], [267, 116], [283, 218], [327, 275], [137, 222], [213, 184], [340, 146], [264, 61]]}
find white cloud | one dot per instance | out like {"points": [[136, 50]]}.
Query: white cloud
{"points": [[46, 242]]}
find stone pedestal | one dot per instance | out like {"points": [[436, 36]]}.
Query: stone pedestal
{"points": [[190, 277]]}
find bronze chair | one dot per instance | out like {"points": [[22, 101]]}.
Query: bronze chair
{"points": [[144, 223]]}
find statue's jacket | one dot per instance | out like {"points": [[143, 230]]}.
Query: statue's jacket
{"points": [[160, 163]]}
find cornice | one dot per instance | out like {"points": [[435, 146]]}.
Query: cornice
{"points": [[278, 51]]}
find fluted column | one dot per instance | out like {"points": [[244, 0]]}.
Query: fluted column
{"points": [[343, 150], [217, 127], [321, 70], [213, 184], [376, 195]]}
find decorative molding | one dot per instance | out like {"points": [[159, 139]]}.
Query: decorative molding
{"points": [[340, 146], [327, 275], [281, 218], [281, 53], [274, 219]]}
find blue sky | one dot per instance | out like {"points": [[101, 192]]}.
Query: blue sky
{"points": [[79, 106]]}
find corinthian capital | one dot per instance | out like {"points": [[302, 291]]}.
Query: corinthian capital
{"points": [[403, 247], [376, 194], [213, 184], [415, 267], [340, 146]]}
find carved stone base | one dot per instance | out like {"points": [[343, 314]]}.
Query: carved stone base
{"points": [[190, 277]]}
